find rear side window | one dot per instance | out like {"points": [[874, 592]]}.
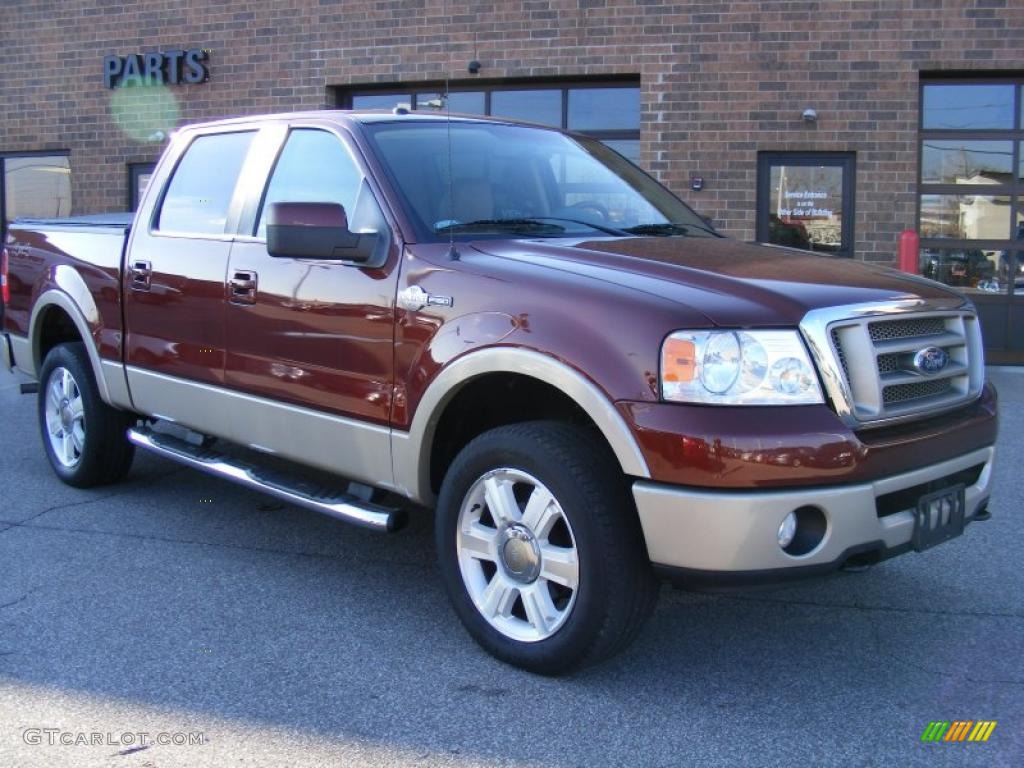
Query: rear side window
{"points": [[200, 191]]}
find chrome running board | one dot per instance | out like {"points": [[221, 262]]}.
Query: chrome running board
{"points": [[333, 503]]}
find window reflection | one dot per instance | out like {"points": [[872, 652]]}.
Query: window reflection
{"points": [[966, 162], [966, 217], [970, 269], [313, 168], [37, 186], [806, 207], [466, 102], [968, 106], [201, 188], [628, 148], [543, 107], [596, 109], [382, 101]]}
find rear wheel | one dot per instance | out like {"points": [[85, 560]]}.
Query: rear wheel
{"points": [[541, 549], [84, 438]]}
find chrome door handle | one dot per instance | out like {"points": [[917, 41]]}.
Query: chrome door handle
{"points": [[142, 275], [242, 286]]}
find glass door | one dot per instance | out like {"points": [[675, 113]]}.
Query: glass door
{"points": [[971, 201], [805, 201]]}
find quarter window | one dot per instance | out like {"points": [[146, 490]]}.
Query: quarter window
{"points": [[200, 192]]}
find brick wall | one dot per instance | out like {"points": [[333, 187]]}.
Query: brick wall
{"points": [[719, 80]]}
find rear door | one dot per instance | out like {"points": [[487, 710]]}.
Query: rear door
{"points": [[173, 283]]}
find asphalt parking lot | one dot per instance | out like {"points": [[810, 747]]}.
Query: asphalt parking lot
{"points": [[177, 604]]}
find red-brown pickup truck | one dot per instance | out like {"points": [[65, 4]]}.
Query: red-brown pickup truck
{"points": [[517, 327]]}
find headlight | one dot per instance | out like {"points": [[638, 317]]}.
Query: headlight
{"points": [[738, 368]]}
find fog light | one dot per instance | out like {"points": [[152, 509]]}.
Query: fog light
{"points": [[787, 530]]}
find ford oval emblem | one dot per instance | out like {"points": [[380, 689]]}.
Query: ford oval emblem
{"points": [[930, 360]]}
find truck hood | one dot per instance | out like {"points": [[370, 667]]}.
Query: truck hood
{"points": [[729, 282]]}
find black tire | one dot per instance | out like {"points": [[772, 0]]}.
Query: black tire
{"points": [[103, 455], [616, 589]]}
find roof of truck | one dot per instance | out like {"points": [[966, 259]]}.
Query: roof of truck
{"points": [[367, 116]]}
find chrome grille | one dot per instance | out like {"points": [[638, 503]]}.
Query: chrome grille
{"points": [[899, 393], [867, 359], [839, 351], [902, 329]]}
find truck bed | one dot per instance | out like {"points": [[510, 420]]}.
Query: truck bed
{"points": [[119, 221]]}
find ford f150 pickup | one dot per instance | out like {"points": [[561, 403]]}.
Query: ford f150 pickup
{"points": [[521, 329]]}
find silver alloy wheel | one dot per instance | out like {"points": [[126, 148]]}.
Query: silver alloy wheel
{"points": [[517, 555], [65, 417]]}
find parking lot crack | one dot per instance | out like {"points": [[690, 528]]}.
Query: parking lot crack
{"points": [[79, 503], [391, 563], [882, 650]]}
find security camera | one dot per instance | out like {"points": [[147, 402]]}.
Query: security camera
{"points": [[810, 115], [473, 67]]}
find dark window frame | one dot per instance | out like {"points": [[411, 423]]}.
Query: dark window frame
{"points": [[847, 161], [344, 96], [1014, 190]]}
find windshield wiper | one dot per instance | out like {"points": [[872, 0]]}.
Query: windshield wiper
{"points": [[598, 227], [524, 226], [667, 229]]}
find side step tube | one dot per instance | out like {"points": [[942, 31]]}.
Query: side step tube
{"points": [[338, 505]]}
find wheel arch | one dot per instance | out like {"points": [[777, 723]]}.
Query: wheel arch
{"points": [[55, 309], [412, 451]]}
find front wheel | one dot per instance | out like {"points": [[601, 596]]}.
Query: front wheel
{"points": [[540, 547], [84, 438]]}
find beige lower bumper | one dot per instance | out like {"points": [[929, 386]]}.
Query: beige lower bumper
{"points": [[5, 353], [737, 532]]}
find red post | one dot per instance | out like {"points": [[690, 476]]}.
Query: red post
{"points": [[910, 245]]}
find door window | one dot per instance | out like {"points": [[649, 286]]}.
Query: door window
{"points": [[200, 192], [314, 167], [806, 201]]}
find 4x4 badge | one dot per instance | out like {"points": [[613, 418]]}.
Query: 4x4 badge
{"points": [[414, 297]]}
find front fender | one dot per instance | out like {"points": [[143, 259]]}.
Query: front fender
{"points": [[411, 450]]}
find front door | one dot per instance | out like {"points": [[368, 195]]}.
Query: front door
{"points": [[315, 334]]}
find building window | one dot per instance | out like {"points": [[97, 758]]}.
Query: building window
{"points": [[139, 175], [972, 179], [34, 185], [805, 201], [609, 111]]}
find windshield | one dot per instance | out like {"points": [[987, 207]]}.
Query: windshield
{"points": [[508, 179]]}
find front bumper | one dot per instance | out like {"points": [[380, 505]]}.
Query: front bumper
{"points": [[701, 537]]}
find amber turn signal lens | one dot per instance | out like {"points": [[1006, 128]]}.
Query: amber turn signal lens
{"points": [[678, 360]]}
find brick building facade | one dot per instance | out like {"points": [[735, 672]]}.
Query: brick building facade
{"points": [[720, 83]]}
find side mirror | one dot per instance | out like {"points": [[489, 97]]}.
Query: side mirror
{"points": [[316, 231]]}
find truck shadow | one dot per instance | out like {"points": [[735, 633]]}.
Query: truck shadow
{"points": [[243, 610]]}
